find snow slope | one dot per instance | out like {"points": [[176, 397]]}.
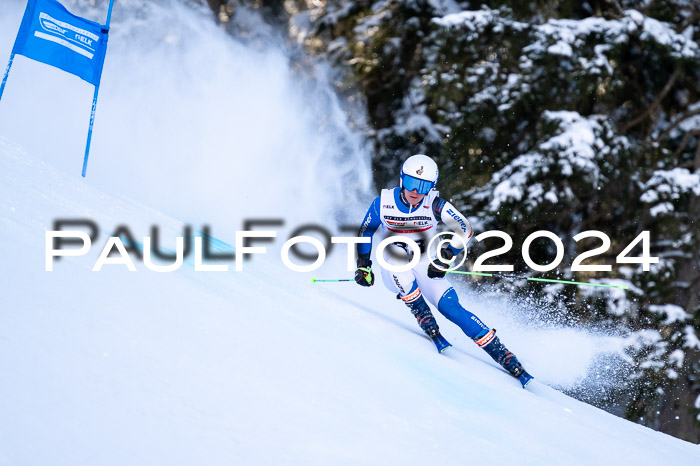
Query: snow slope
{"points": [[251, 367], [254, 367]]}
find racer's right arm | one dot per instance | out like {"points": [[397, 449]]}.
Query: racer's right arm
{"points": [[369, 226]]}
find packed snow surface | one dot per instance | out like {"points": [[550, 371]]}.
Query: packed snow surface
{"points": [[260, 366], [253, 367]]}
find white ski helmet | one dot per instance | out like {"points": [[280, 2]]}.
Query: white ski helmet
{"points": [[419, 172]]}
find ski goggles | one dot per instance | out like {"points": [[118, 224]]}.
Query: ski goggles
{"points": [[421, 186]]}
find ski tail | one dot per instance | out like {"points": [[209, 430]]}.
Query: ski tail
{"points": [[525, 378], [441, 344]]}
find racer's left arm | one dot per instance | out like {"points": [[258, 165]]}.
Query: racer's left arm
{"points": [[459, 225]]}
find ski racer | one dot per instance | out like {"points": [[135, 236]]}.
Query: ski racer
{"points": [[414, 210]]}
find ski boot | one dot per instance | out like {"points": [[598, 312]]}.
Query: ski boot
{"points": [[489, 342], [420, 310]]}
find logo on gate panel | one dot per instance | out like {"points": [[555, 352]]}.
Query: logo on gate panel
{"points": [[77, 39]]}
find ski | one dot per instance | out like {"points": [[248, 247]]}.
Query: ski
{"points": [[525, 378], [441, 344]]}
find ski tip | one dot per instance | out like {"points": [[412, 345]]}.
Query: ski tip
{"points": [[313, 280]]}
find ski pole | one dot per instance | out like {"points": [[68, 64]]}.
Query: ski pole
{"points": [[548, 280], [314, 280]]}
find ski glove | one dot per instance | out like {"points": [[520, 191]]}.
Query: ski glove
{"points": [[445, 262], [364, 275]]}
